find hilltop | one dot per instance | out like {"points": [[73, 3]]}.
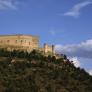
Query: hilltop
{"points": [[33, 72]]}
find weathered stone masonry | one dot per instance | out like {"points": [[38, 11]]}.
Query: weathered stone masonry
{"points": [[24, 42]]}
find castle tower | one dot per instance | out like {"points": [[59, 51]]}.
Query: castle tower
{"points": [[49, 50], [53, 50], [45, 48]]}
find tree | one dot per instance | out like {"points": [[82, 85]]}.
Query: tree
{"points": [[53, 58], [65, 57], [49, 58]]}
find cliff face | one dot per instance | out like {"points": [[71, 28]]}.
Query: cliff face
{"points": [[37, 73]]}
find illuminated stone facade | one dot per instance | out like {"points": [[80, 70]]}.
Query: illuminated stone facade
{"points": [[23, 42], [19, 42], [49, 49]]}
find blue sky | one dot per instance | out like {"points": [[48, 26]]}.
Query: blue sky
{"points": [[65, 23]]}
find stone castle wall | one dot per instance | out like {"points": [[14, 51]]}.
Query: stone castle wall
{"points": [[24, 42]]}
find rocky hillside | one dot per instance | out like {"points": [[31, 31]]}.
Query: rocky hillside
{"points": [[33, 72]]}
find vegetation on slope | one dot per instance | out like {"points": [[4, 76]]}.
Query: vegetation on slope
{"points": [[32, 72]]}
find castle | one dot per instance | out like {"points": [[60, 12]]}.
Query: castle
{"points": [[25, 43]]}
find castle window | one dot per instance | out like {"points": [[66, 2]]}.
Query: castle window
{"points": [[15, 41], [29, 43], [8, 41], [1, 41], [21, 40]]}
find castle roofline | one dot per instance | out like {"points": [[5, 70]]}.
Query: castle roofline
{"points": [[19, 35]]}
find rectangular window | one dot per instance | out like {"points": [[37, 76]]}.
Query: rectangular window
{"points": [[8, 41], [15, 41], [29, 43], [21, 41], [1, 41]]}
